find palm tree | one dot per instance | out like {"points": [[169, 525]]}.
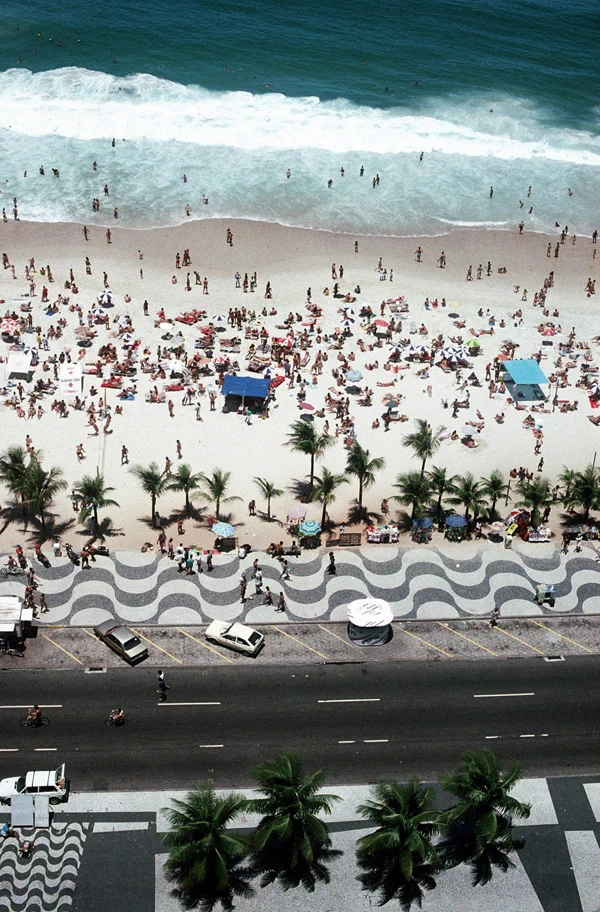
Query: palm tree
{"points": [[268, 491], [535, 495], [494, 487], [469, 494], [41, 487], [325, 490], [360, 464], [92, 491], [291, 843], [215, 489], [585, 491], [13, 470], [205, 857], [425, 442], [414, 491], [399, 859], [477, 830], [153, 481], [567, 477], [183, 479], [304, 438], [441, 484]]}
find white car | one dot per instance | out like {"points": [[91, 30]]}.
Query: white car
{"points": [[37, 782], [236, 636]]}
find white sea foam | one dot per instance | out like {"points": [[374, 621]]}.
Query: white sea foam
{"points": [[80, 104], [235, 148]]}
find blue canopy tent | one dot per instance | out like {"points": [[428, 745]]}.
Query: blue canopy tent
{"points": [[246, 387], [524, 379]]}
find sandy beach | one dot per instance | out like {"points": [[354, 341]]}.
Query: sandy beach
{"points": [[293, 260]]}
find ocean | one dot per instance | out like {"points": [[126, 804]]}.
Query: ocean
{"points": [[443, 99]]}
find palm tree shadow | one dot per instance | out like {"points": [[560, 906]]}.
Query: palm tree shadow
{"points": [[55, 527], [300, 489], [13, 513], [404, 521], [262, 514], [106, 529], [358, 515]]}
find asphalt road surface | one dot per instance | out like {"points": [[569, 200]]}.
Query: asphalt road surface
{"points": [[361, 723]]}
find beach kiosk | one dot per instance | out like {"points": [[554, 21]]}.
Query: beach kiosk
{"points": [[524, 380], [16, 621]]}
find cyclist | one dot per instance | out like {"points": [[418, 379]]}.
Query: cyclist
{"points": [[34, 716], [12, 564], [117, 716]]}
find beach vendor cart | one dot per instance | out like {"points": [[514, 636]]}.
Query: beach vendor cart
{"points": [[421, 530], [456, 527], [544, 595]]}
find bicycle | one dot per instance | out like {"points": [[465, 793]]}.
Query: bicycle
{"points": [[28, 722], [5, 572], [117, 723]]}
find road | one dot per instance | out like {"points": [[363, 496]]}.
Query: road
{"points": [[360, 722]]}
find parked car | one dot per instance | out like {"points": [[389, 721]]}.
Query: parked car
{"points": [[51, 783], [236, 636], [122, 640]]}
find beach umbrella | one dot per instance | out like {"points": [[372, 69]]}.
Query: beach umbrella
{"points": [[353, 375], [473, 343], [349, 311], [8, 326], [29, 350], [221, 359], [418, 349], [307, 407], [96, 309], [502, 357], [497, 527], [347, 323], [380, 322], [219, 319], [454, 521], [425, 523], [298, 512], [105, 297], [309, 527], [223, 530]]}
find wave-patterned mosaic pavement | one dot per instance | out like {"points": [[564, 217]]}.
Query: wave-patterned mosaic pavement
{"points": [[418, 583], [46, 880]]}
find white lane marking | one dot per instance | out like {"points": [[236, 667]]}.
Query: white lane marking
{"points": [[40, 750], [483, 696], [346, 742], [169, 703], [526, 736], [357, 700], [211, 745], [8, 750], [544, 736], [28, 706], [491, 737], [376, 740]]}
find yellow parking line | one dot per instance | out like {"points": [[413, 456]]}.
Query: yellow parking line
{"points": [[306, 646], [562, 636], [206, 646], [92, 635], [62, 649], [142, 637], [519, 640], [414, 635], [341, 639], [462, 635]]}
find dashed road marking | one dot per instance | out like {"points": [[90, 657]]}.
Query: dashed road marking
{"points": [[485, 696], [354, 700], [376, 740]]}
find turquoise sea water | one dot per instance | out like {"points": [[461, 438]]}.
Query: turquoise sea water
{"points": [[500, 94]]}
